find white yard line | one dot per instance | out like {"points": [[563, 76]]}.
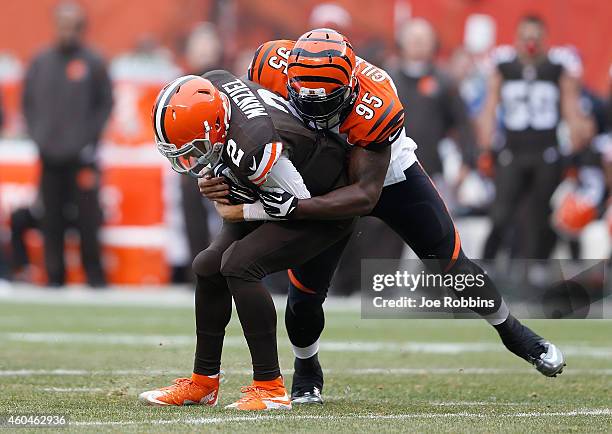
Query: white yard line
{"points": [[289, 417], [72, 389], [470, 403], [171, 296], [356, 372], [111, 339], [448, 348]]}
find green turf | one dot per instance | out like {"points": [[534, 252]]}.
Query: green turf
{"points": [[456, 400]]}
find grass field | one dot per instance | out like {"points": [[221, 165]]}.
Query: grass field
{"points": [[90, 360]]}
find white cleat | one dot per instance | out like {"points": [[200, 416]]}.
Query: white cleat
{"points": [[551, 362]]}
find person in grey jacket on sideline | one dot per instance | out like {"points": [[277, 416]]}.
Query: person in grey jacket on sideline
{"points": [[67, 100]]}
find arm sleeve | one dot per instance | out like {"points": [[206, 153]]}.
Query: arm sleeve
{"points": [[283, 175], [255, 212], [286, 176]]}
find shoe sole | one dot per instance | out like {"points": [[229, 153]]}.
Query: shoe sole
{"points": [[306, 401], [269, 406], [559, 372]]}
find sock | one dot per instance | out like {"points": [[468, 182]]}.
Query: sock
{"points": [[203, 380], [307, 366], [307, 373], [519, 339]]}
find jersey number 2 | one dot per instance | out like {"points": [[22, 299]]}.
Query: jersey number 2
{"points": [[234, 152]]}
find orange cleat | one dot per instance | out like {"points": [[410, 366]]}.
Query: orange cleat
{"points": [[197, 390], [263, 395]]}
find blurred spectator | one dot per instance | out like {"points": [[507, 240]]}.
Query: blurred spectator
{"points": [[242, 61], [330, 15], [147, 61], [67, 100], [609, 103], [471, 82], [204, 53], [1, 115], [576, 201], [369, 45], [605, 147], [23, 219], [3, 266], [434, 109], [535, 88]]}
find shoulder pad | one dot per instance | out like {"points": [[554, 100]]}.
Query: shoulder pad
{"points": [[568, 57], [269, 65], [377, 115], [503, 54]]}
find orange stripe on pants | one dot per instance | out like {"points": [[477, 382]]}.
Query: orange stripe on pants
{"points": [[456, 251], [298, 284]]}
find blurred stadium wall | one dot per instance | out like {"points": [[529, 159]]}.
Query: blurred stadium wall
{"points": [[116, 25], [136, 179]]}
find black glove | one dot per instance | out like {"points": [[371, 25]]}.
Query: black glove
{"points": [[278, 203], [238, 194]]}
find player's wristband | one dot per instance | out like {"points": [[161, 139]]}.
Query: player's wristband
{"points": [[255, 212]]}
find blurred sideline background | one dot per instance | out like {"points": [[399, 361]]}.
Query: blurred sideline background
{"points": [[147, 43]]}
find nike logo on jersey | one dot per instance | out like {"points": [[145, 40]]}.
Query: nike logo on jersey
{"points": [[253, 165]]}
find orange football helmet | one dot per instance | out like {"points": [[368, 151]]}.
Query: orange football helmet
{"points": [[321, 76], [573, 214], [191, 119], [574, 205]]}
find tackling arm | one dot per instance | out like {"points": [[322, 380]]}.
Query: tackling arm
{"points": [[367, 171]]}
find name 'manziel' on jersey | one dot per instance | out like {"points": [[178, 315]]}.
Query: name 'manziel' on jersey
{"points": [[244, 98]]}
